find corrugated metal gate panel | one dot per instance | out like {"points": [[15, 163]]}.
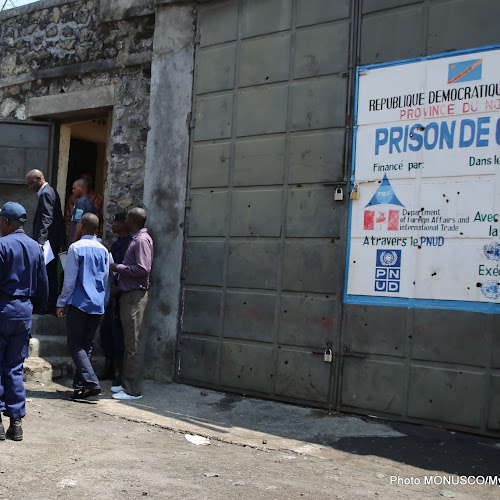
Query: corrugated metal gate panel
{"points": [[462, 24], [436, 366], [24, 146], [438, 394], [495, 361], [265, 252], [374, 384], [316, 157], [494, 411]]}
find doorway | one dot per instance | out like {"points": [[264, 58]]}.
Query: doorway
{"points": [[82, 154]]}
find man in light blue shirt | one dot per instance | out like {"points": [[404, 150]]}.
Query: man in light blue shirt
{"points": [[85, 295]]}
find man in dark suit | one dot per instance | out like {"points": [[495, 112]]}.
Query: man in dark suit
{"points": [[48, 225]]}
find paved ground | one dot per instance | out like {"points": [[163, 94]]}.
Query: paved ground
{"points": [[259, 449]]}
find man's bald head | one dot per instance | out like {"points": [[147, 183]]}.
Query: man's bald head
{"points": [[35, 173], [136, 218], [35, 179], [83, 183], [90, 223], [80, 188]]}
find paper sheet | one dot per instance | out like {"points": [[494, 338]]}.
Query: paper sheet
{"points": [[48, 254], [62, 260], [197, 440]]}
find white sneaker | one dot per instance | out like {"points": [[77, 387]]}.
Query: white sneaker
{"points": [[117, 388], [124, 395]]}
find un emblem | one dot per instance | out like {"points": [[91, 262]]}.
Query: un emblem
{"points": [[491, 289], [388, 259], [492, 250]]}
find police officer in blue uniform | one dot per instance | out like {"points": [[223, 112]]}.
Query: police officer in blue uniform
{"points": [[23, 279]]}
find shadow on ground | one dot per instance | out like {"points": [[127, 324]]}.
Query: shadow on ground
{"points": [[257, 422]]}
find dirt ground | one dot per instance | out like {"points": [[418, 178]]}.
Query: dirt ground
{"points": [[81, 451]]}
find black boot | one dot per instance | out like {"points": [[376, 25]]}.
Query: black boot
{"points": [[15, 430], [2, 430], [108, 372]]}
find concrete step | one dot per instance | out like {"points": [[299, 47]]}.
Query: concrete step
{"points": [[47, 324], [56, 345], [45, 370], [48, 345], [49, 357]]}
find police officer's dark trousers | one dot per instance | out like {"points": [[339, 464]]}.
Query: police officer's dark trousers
{"points": [[14, 346], [81, 328]]}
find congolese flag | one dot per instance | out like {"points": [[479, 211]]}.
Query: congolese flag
{"points": [[465, 71]]}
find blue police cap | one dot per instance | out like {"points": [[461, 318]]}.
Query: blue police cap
{"points": [[13, 211]]}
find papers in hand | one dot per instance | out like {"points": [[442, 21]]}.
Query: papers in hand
{"points": [[62, 260], [48, 254]]}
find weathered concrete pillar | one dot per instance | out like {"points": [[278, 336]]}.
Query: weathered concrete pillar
{"points": [[166, 176]]}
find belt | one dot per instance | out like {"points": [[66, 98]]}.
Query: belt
{"points": [[6, 296]]}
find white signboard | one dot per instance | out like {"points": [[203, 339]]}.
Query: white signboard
{"points": [[426, 224]]}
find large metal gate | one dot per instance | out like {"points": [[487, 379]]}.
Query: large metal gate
{"points": [[265, 245], [266, 240]]}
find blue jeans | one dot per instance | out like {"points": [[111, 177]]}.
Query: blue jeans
{"points": [[80, 329], [14, 346]]}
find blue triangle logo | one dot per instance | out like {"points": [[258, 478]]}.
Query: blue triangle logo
{"points": [[384, 195]]}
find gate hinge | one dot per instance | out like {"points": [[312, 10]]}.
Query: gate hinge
{"points": [[197, 39], [188, 203], [191, 120]]}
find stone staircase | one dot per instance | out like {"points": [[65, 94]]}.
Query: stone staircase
{"points": [[49, 358]]}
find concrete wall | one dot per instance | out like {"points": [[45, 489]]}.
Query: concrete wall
{"points": [[166, 173], [114, 10]]}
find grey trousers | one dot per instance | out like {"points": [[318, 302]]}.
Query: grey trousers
{"points": [[132, 307]]}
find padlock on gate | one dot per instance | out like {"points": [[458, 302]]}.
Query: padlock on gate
{"points": [[339, 194], [355, 192], [328, 356]]}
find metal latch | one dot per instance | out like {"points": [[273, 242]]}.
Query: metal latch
{"points": [[327, 354], [346, 351]]}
